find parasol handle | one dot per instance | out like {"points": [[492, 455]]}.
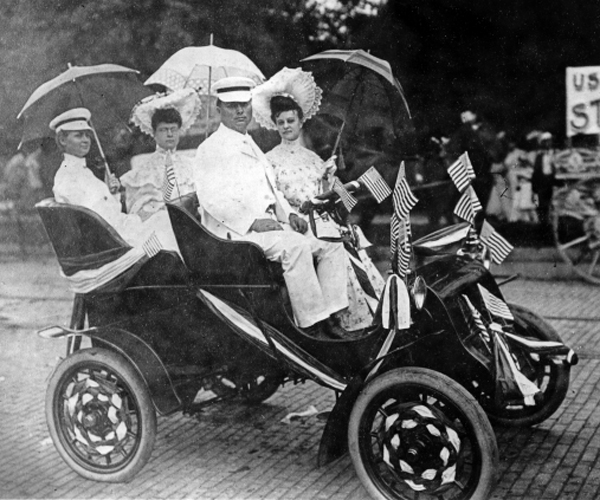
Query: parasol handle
{"points": [[338, 139], [102, 155]]}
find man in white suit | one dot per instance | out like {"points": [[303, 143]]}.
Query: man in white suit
{"points": [[240, 201]]}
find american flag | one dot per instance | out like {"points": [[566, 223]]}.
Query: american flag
{"points": [[461, 172], [475, 320], [499, 247], [375, 184], [348, 200], [400, 231], [404, 199], [169, 181], [497, 307], [403, 252], [468, 205], [152, 245]]}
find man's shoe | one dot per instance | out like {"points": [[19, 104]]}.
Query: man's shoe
{"points": [[335, 330]]}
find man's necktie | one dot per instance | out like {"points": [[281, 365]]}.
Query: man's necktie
{"points": [[169, 182]]}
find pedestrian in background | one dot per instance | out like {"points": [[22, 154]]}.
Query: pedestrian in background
{"points": [[542, 179]]}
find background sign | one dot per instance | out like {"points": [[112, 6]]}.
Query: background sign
{"points": [[583, 100]]}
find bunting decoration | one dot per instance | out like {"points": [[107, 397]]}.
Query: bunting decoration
{"points": [[395, 305], [497, 307], [510, 381], [394, 309], [468, 205], [348, 200], [461, 172], [499, 247], [376, 185]]}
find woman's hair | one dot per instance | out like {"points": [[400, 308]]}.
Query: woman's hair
{"points": [[281, 103], [165, 115]]}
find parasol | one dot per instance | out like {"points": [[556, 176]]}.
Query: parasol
{"points": [[109, 91], [200, 67], [362, 92]]}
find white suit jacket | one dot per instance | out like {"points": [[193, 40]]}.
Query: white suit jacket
{"points": [[234, 184]]}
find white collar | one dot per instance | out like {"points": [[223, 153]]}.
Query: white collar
{"points": [[233, 134], [163, 151], [73, 161]]}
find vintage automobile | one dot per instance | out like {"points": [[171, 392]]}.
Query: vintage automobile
{"points": [[410, 405]]}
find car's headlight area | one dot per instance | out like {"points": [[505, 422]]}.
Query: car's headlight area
{"points": [[419, 292]]}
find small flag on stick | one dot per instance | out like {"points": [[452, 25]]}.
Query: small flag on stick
{"points": [[499, 247], [375, 184], [152, 245], [475, 321], [403, 251], [404, 199], [468, 205], [348, 200], [400, 232], [169, 181], [461, 172], [494, 305]]}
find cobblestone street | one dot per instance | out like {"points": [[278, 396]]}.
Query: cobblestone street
{"points": [[234, 452]]}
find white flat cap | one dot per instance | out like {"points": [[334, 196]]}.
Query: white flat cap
{"points": [[73, 119], [234, 89]]}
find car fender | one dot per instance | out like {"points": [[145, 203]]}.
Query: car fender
{"points": [[141, 355]]}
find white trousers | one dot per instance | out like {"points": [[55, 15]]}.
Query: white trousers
{"points": [[315, 294]]}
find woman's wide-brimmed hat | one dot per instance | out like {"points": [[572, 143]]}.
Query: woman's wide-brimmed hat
{"points": [[290, 82], [185, 101]]}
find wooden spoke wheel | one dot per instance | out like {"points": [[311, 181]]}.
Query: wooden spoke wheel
{"points": [[576, 229]]}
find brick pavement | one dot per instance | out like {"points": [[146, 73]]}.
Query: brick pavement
{"points": [[233, 452]]}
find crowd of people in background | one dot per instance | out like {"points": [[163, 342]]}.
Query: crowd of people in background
{"points": [[515, 175]]}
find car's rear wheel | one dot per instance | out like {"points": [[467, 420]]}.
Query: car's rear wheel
{"points": [[100, 415]]}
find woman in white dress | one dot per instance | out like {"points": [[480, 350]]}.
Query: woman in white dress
{"points": [[284, 103], [165, 174]]}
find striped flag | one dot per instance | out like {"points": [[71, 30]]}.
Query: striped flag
{"points": [[461, 172], [400, 231], [476, 322], [348, 200], [468, 205], [169, 180], [375, 184], [499, 247], [403, 253], [400, 245], [497, 307], [152, 245], [404, 199]]}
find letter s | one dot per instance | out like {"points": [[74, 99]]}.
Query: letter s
{"points": [[579, 111]]}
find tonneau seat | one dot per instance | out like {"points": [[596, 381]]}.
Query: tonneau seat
{"points": [[214, 260], [93, 256]]}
